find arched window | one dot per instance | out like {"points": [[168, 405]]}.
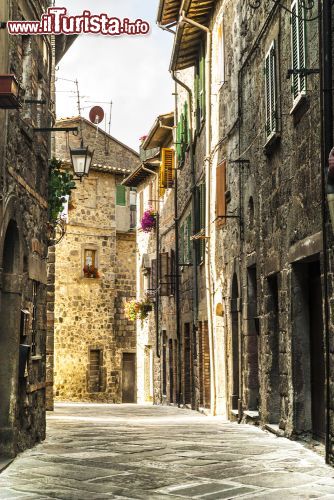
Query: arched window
{"points": [[11, 250]]}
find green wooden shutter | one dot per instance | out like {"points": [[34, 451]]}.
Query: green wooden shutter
{"points": [[202, 219], [298, 42], [270, 91], [267, 96], [189, 256], [202, 82], [181, 240], [302, 45], [186, 126], [120, 195]]}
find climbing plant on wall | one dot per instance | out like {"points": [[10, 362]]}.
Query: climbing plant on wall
{"points": [[61, 184]]}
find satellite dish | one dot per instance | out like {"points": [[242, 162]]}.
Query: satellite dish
{"points": [[96, 115]]}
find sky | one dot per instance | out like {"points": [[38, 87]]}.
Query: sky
{"points": [[130, 71]]}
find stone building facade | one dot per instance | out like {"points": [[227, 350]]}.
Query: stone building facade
{"points": [[157, 340], [254, 119], [24, 159], [95, 345]]}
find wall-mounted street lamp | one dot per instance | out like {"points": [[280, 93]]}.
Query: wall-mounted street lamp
{"points": [[81, 160]]}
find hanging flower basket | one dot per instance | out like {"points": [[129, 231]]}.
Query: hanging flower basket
{"points": [[137, 309], [149, 220], [91, 272]]}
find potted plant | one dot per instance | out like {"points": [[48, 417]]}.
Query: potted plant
{"points": [[138, 309], [91, 271], [149, 220]]}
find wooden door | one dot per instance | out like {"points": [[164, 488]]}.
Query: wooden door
{"points": [[129, 378]]}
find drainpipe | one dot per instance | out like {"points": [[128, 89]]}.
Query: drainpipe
{"points": [[184, 19], [326, 99], [156, 309], [193, 220]]}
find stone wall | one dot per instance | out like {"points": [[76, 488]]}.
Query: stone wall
{"points": [[23, 241], [91, 332]]}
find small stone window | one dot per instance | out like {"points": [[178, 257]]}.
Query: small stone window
{"points": [[90, 268], [95, 370]]}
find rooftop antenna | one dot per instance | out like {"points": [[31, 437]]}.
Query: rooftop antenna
{"points": [[79, 107]]}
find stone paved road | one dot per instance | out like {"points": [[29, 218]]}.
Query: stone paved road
{"points": [[96, 452]]}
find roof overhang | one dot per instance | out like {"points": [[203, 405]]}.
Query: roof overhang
{"points": [[139, 175], [188, 37], [62, 44], [168, 11], [158, 135]]}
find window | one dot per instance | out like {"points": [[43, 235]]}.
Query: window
{"points": [[34, 318], [133, 208], [182, 135], [298, 42], [200, 88], [187, 230], [90, 258], [221, 192], [90, 267], [201, 219], [120, 195], [141, 205], [95, 370], [220, 54], [167, 169], [270, 92]]}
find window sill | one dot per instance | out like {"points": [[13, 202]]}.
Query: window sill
{"points": [[272, 142], [37, 357], [299, 108], [84, 278]]}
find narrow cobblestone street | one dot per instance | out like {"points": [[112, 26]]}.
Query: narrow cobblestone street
{"points": [[99, 452]]}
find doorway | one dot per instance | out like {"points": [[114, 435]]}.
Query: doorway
{"points": [[171, 372], [235, 344], [187, 364], [129, 378], [252, 342], [308, 350], [274, 396], [10, 321]]}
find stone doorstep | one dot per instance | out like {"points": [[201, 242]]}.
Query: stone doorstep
{"points": [[274, 429], [4, 463], [252, 414], [205, 411]]}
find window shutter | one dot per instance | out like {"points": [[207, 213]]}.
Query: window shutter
{"points": [[162, 180], [181, 240], [153, 280], [173, 271], [202, 82], [273, 113], [189, 254], [202, 219], [186, 126], [120, 195], [298, 41], [178, 141], [220, 191], [302, 45], [164, 279], [270, 91], [169, 167]]}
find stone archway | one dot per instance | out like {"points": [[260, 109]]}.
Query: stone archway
{"points": [[10, 315]]}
